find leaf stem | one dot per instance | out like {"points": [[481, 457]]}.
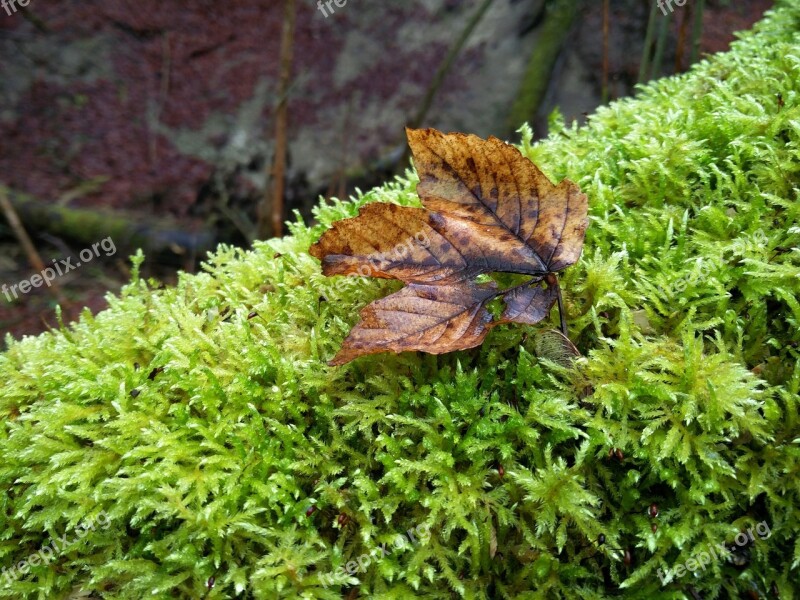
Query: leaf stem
{"points": [[561, 314], [552, 280]]}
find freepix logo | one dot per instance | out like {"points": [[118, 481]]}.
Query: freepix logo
{"points": [[322, 4], [704, 558], [51, 551], [664, 5], [360, 564], [11, 5], [58, 268]]}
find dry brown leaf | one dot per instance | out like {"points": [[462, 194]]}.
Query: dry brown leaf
{"points": [[432, 318], [487, 209], [415, 245], [493, 185]]}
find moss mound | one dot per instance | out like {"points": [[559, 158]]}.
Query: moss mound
{"points": [[177, 445]]}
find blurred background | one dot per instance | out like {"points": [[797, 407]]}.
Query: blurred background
{"points": [[175, 125]]}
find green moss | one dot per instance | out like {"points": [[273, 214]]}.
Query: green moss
{"points": [[684, 305]]}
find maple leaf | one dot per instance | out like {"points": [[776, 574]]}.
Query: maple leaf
{"points": [[487, 209]]}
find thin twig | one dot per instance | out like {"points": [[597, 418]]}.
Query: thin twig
{"points": [[440, 74], [661, 43], [274, 196], [697, 31], [34, 19], [685, 18], [19, 230], [25, 241], [644, 64], [606, 18], [455, 50], [553, 35]]}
